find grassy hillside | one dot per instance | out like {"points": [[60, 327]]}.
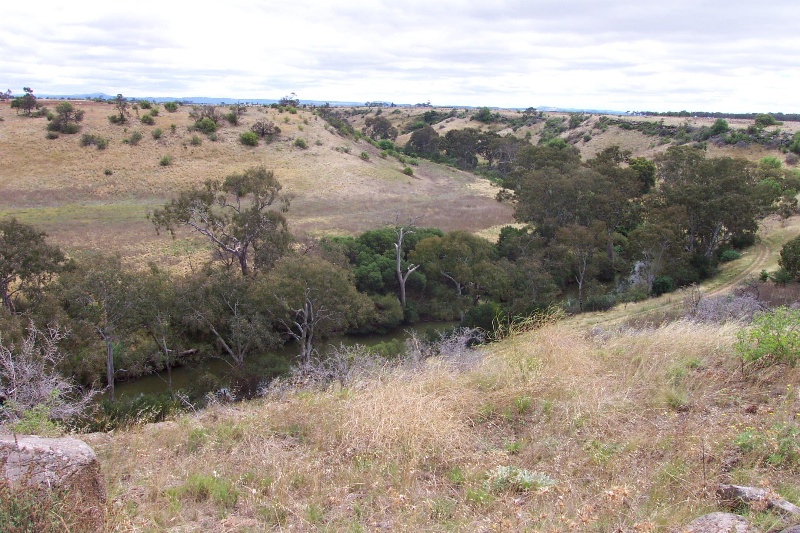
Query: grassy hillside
{"points": [[85, 197], [557, 429]]}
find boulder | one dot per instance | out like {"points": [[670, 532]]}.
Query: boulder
{"points": [[719, 523], [60, 464], [756, 498]]}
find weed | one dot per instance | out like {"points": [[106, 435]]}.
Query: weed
{"points": [[301, 143], [165, 161], [156, 133], [203, 487], [512, 478], [364, 156]]}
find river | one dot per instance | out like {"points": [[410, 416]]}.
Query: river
{"points": [[184, 376]]}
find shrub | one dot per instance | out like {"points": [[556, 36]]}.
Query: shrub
{"points": [[206, 125], [156, 133], [386, 144], [195, 140], [51, 135], [154, 112], [248, 138], [772, 338], [144, 104], [135, 137], [662, 285], [790, 257], [364, 156], [87, 139], [729, 255], [173, 128], [171, 106], [115, 119], [108, 172], [300, 143], [408, 171], [147, 119], [165, 161], [599, 302], [212, 137]]}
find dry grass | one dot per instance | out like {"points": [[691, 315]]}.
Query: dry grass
{"points": [[636, 427], [67, 189]]}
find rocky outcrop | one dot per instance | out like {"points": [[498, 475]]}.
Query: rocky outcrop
{"points": [[66, 465], [720, 523], [756, 498]]}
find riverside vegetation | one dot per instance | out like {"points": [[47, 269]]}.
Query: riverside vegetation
{"points": [[542, 420]]}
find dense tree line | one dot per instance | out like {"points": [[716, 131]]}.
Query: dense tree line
{"points": [[593, 232]]}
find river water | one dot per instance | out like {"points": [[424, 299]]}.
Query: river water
{"points": [[185, 376]]}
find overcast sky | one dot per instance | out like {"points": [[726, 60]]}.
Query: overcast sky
{"points": [[710, 55]]}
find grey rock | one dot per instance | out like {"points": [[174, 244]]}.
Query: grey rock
{"points": [[720, 523]]}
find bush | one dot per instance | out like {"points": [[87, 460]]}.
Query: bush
{"points": [[662, 285], [51, 135], [171, 106], [364, 156], [729, 255], [599, 302], [386, 144], [205, 125], [144, 104], [248, 138], [165, 161], [300, 143], [88, 139], [790, 257], [115, 119], [135, 137], [147, 119], [156, 133], [408, 171], [772, 338], [195, 140]]}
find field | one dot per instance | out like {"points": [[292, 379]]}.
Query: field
{"points": [[89, 198]]}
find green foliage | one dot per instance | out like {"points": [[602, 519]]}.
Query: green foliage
{"points": [[144, 104], [386, 144], [51, 135], [206, 125], [66, 119], [248, 138], [599, 302], [790, 258], [148, 119], [484, 115], [777, 446], [662, 285], [772, 338], [719, 127], [762, 120], [135, 137], [165, 161], [195, 140], [301, 143], [729, 254], [33, 511], [408, 171], [171, 106], [364, 156], [204, 487], [156, 133], [88, 139]]}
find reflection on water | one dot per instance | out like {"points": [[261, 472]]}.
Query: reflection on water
{"points": [[186, 376]]}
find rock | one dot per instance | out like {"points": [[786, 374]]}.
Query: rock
{"points": [[54, 464], [756, 498], [793, 529], [719, 523]]}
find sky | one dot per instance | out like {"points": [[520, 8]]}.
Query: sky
{"points": [[633, 55]]}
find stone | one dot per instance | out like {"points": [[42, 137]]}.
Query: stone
{"points": [[756, 498], [60, 464], [720, 523]]}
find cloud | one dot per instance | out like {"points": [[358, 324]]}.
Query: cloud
{"points": [[711, 55]]}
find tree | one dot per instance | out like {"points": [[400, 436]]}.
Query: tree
{"points": [[121, 105], [720, 196], [402, 277], [66, 119], [581, 244], [233, 311], [315, 299], [380, 128], [265, 128], [424, 142], [657, 242], [100, 293], [29, 378], [26, 102], [464, 146], [27, 262], [236, 216], [790, 258], [464, 260], [5, 95]]}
